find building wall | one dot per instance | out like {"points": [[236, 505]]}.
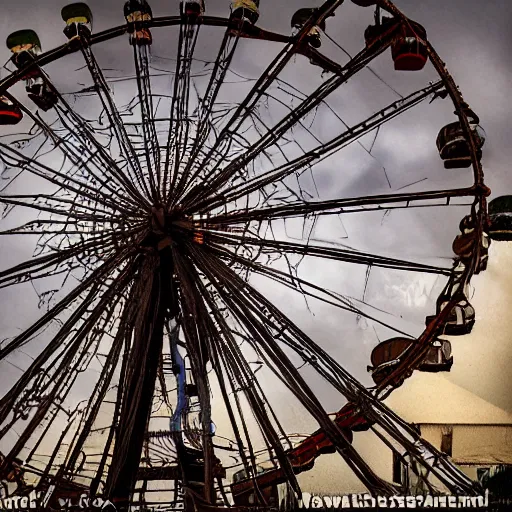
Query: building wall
{"points": [[474, 444]]}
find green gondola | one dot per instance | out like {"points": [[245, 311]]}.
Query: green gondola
{"points": [[78, 18], [500, 216], [25, 45], [245, 9], [21, 39]]}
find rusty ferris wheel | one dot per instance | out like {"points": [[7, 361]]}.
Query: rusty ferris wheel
{"points": [[160, 210]]}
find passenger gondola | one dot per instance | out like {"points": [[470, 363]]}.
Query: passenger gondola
{"points": [[300, 18], [138, 14], [375, 34], [41, 94], [25, 46], [364, 3], [500, 218], [409, 51], [439, 357], [461, 318], [9, 112], [245, 10], [453, 146], [387, 355], [465, 244], [192, 8], [78, 18]]}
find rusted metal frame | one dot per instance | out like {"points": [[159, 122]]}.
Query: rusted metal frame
{"points": [[297, 284], [10, 397], [68, 383], [306, 208], [94, 279], [141, 375], [112, 33], [198, 341], [46, 473], [105, 161], [66, 213], [151, 144], [284, 369], [323, 151], [76, 158], [183, 121], [32, 166], [236, 360], [45, 172], [115, 420], [242, 373], [177, 74], [265, 80], [63, 370], [482, 191], [179, 110], [101, 388], [47, 199], [330, 253], [277, 132], [116, 121], [217, 355], [221, 66], [290, 120], [353, 390], [356, 392], [61, 266], [70, 114], [45, 261]]}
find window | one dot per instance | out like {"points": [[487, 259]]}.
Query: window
{"points": [[397, 469], [447, 440]]}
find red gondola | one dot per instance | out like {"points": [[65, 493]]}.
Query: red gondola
{"points": [[386, 357], [409, 52], [9, 112], [193, 8]]}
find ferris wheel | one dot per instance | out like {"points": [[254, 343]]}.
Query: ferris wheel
{"points": [[195, 187]]}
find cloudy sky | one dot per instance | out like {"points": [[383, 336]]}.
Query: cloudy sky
{"points": [[472, 37]]}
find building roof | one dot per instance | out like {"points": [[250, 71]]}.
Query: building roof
{"points": [[432, 398]]}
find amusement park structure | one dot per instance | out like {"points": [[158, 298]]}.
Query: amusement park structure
{"points": [[154, 219]]}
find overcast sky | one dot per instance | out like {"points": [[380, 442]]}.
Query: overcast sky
{"points": [[472, 37]]}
